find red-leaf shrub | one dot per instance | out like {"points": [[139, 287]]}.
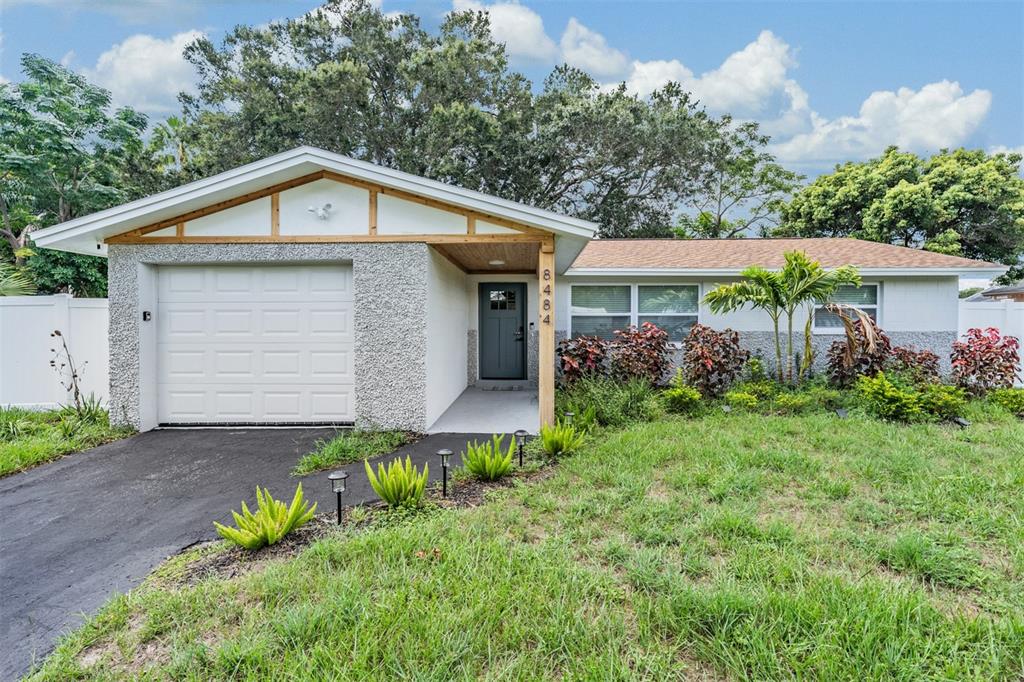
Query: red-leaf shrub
{"points": [[844, 369], [640, 353], [922, 365], [582, 356], [712, 359], [985, 360]]}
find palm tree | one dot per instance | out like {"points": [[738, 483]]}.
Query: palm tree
{"points": [[807, 284], [14, 282], [762, 290], [801, 282]]}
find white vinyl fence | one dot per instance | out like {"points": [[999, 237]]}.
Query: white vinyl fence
{"points": [[1006, 316], [26, 322]]}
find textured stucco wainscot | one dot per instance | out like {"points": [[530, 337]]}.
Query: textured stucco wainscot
{"points": [[389, 281], [762, 345]]}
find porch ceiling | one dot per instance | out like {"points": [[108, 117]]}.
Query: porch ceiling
{"points": [[517, 257]]}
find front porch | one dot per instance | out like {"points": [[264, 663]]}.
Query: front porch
{"points": [[491, 410], [491, 339]]}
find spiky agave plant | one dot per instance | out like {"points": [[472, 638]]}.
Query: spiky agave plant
{"points": [[399, 485], [486, 460], [271, 522], [560, 439]]}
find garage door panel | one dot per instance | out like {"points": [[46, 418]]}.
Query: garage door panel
{"points": [[263, 344]]}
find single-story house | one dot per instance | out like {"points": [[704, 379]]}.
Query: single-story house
{"points": [[310, 287], [1011, 292]]}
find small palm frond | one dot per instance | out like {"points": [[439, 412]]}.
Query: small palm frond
{"points": [[850, 315], [15, 282]]}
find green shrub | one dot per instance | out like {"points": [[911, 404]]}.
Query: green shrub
{"points": [[791, 403], [765, 389], [486, 460], [884, 399], [755, 369], [271, 522], [560, 439], [741, 400], [823, 397], [612, 403], [944, 402], [398, 485], [680, 397], [1011, 399]]}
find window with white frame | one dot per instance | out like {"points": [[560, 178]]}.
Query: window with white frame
{"points": [[864, 297], [600, 309], [672, 307]]}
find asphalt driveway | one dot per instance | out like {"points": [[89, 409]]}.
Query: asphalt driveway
{"points": [[76, 531]]}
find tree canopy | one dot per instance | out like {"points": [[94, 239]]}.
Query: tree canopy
{"points": [[63, 153], [961, 202], [352, 80]]}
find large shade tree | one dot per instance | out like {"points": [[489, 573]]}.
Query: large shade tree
{"points": [[446, 106], [963, 202], [741, 189], [64, 152]]}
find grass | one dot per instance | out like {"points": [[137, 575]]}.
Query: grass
{"points": [[28, 438], [726, 546], [349, 446]]}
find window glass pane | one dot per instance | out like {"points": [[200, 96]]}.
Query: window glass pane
{"points": [[677, 326], [601, 326], [865, 295], [826, 320], [600, 299], [667, 299]]}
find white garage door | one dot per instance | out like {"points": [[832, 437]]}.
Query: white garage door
{"points": [[255, 344]]}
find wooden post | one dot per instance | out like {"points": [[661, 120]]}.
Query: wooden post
{"points": [[373, 212], [546, 333], [275, 214]]}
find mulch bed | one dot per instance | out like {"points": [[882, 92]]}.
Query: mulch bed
{"points": [[235, 561]]}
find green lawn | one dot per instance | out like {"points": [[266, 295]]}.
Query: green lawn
{"points": [[28, 438], [723, 547]]}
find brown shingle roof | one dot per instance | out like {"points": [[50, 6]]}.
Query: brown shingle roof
{"points": [[727, 254]]}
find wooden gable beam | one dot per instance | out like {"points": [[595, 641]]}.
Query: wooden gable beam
{"points": [[127, 237], [273, 191]]}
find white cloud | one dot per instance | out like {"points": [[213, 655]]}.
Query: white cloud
{"points": [[588, 50], [938, 115], [1004, 149], [146, 72], [745, 81], [519, 27]]}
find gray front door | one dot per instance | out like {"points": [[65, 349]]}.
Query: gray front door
{"points": [[502, 331]]}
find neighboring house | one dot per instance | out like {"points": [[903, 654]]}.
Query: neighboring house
{"points": [[1013, 292], [310, 288]]}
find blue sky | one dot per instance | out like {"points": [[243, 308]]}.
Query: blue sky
{"points": [[831, 81]]}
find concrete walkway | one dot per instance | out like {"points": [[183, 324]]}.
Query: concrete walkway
{"points": [[490, 411], [74, 532]]}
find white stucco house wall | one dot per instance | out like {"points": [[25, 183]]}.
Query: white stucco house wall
{"points": [[313, 288]]}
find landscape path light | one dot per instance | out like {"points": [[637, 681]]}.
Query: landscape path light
{"points": [[444, 454], [339, 482], [520, 442], [567, 417]]}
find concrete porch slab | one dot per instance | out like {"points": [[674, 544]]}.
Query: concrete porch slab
{"points": [[479, 410]]}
